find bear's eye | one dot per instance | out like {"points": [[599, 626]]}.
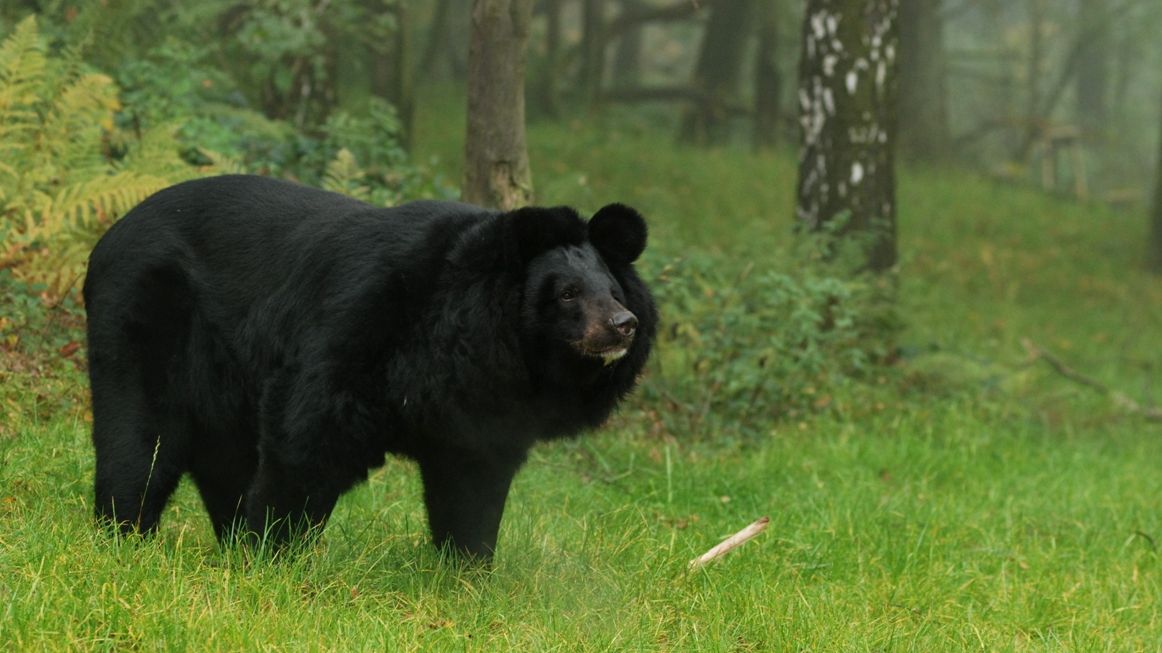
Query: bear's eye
{"points": [[569, 294]]}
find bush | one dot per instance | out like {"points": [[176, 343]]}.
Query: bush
{"points": [[740, 350], [66, 171]]}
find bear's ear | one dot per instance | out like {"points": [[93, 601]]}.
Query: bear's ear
{"points": [[537, 230], [619, 233]]}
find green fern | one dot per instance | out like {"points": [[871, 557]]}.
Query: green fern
{"points": [[59, 188], [343, 175]]}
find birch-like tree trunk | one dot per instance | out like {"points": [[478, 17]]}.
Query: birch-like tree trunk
{"points": [[847, 101], [496, 166]]}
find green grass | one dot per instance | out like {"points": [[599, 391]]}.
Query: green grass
{"points": [[965, 501]]}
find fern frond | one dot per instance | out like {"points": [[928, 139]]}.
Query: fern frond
{"points": [[22, 64], [343, 175], [59, 191], [22, 72], [97, 202], [221, 163], [60, 233], [157, 152], [79, 114]]}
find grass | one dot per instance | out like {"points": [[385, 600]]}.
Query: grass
{"points": [[965, 501]]}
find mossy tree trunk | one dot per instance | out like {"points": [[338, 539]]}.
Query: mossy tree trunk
{"points": [[627, 58], [1156, 235], [496, 170], [923, 106], [592, 50], [545, 92], [437, 37], [717, 72], [400, 89], [1093, 69], [768, 80], [847, 97]]}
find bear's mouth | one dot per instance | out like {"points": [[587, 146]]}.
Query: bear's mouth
{"points": [[607, 355]]}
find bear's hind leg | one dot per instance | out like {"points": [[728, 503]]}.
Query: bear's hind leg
{"points": [[137, 331], [138, 468]]}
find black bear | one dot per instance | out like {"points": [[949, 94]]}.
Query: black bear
{"points": [[276, 341]]}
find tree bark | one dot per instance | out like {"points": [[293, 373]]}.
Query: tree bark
{"points": [[923, 105], [1156, 235], [592, 49], [437, 35], [627, 58], [768, 81], [402, 93], [496, 170], [1092, 83], [1034, 124], [847, 97], [717, 72], [546, 90]]}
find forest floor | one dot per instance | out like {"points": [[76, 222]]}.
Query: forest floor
{"points": [[972, 497]]}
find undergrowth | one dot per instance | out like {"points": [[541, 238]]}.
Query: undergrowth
{"points": [[960, 498]]}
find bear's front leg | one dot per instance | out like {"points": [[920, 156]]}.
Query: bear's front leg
{"points": [[465, 493]]}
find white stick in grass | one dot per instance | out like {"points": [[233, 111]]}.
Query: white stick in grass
{"points": [[731, 543]]}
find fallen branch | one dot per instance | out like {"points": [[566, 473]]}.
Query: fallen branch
{"points": [[731, 543], [1152, 413]]}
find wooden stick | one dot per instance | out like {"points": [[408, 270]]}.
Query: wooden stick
{"points": [[1120, 399], [731, 543], [1056, 363]]}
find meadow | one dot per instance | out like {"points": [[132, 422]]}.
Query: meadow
{"points": [[966, 497]]}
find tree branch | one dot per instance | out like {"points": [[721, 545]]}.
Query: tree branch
{"points": [[1152, 413], [1077, 51]]}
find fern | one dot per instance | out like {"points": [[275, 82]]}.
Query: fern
{"points": [[22, 64], [59, 188], [343, 175]]}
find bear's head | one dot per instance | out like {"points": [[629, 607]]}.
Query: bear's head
{"points": [[582, 297]]}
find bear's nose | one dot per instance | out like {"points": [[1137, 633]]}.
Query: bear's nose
{"points": [[624, 323]]}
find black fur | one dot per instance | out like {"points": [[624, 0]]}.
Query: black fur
{"points": [[276, 341]]}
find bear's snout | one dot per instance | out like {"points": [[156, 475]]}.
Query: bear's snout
{"points": [[625, 323]]}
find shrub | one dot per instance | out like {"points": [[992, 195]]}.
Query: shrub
{"points": [[66, 171], [738, 351]]}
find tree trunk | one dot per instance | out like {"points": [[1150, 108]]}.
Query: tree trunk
{"points": [[922, 105], [717, 72], [1034, 124], [1093, 69], [627, 58], [768, 81], [546, 91], [437, 36], [496, 170], [403, 87], [1156, 236], [847, 96], [592, 50]]}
